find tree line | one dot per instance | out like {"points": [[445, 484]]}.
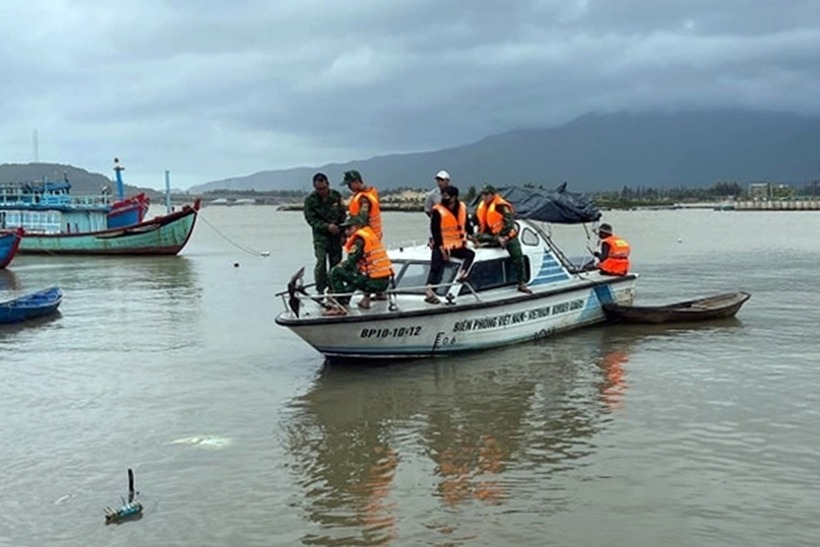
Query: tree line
{"points": [[627, 196]]}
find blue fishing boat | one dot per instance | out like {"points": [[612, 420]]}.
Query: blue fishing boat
{"points": [[31, 305], [9, 243], [56, 222]]}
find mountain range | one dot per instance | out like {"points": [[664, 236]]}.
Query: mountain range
{"points": [[597, 152]]}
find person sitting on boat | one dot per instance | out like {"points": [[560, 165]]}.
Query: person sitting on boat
{"points": [[365, 201], [450, 226], [367, 267], [614, 254], [496, 227]]}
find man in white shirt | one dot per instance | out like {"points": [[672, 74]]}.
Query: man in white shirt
{"points": [[434, 196]]}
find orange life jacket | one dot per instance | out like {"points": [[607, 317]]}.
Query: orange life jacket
{"points": [[490, 219], [374, 219], [374, 263], [453, 230], [617, 261]]}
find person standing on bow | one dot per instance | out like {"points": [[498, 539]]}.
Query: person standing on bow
{"points": [[433, 197], [450, 225], [614, 254], [365, 201], [367, 267], [324, 212], [496, 227]]}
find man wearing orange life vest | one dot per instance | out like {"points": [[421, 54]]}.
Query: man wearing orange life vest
{"points": [[496, 226], [367, 267], [365, 201], [614, 254], [449, 225]]}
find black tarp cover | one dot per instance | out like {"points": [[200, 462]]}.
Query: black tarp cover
{"points": [[555, 206]]}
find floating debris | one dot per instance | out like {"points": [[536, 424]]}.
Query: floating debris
{"points": [[206, 441], [130, 509]]}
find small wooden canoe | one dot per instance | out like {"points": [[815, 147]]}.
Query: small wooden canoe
{"points": [[702, 309], [31, 306]]}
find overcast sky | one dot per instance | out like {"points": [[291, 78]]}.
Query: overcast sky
{"points": [[213, 89]]}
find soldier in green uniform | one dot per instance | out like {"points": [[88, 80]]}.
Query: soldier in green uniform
{"points": [[324, 212], [367, 267], [503, 234]]}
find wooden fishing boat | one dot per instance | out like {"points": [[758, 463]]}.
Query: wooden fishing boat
{"points": [[9, 243], [162, 235], [31, 306], [702, 309], [56, 222]]}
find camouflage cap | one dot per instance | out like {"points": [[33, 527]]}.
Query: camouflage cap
{"points": [[352, 220], [351, 176], [488, 189]]}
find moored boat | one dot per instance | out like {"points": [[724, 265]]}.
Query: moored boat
{"points": [[9, 243], [702, 309], [55, 222], [31, 305], [161, 235], [485, 311]]}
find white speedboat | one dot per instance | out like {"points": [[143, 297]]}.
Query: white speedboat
{"points": [[485, 311]]}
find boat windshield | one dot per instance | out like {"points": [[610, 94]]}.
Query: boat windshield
{"points": [[492, 274], [411, 277]]}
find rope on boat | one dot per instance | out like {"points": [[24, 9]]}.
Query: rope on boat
{"points": [[243, 248]]}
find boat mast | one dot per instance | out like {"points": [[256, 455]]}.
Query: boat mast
{"points": [[118, 169], [167, 192]]}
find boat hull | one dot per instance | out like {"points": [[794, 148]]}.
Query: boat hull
{"points": [[164, 235], [9, 245], [704, 309], [447, 330], [31, 306]]}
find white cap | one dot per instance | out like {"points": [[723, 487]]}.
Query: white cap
{"points": [[443, 175]]}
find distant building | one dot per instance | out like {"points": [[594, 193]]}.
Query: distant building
{"points": [[770, 190], [759, 190]]}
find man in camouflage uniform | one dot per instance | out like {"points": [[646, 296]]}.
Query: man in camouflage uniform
{"points": [[348, 276], [324, 212], [503, 236]]}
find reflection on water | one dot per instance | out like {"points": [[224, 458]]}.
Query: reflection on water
{"points": [[480, 429], [8, 281], [150, 304], [172, 274]]}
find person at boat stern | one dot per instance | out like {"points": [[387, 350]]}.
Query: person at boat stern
{"points": [[365, 201], [496, 227], [367, 267], [449, 225], [325, 212], [614, 254]]}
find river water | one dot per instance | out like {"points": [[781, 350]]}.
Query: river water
{"points": [[239, 434]]}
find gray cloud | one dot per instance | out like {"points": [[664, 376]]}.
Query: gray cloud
{"points": [[213, 89]]}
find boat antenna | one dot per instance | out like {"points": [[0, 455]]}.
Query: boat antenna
{"points": [[118, 169]]}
